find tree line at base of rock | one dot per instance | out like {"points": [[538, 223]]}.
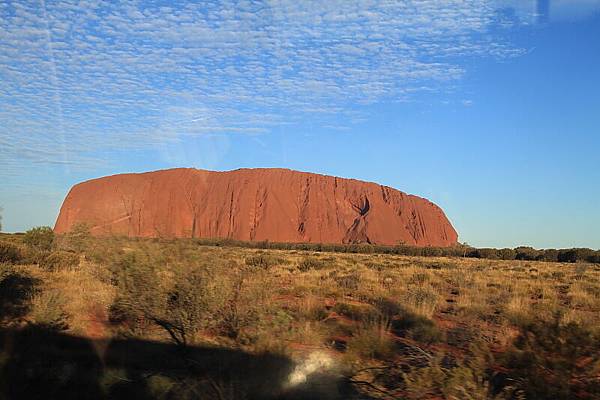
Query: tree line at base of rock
{"points": [[42, 236], [460, 250]]}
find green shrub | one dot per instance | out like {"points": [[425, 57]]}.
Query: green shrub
{"points": [[59, 260], [9, 253], [39, 238]]}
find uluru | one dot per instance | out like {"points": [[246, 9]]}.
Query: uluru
{"points": [[274, 204]]}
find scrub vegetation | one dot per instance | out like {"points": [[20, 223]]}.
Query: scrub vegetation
{"points": [[152, 318]]}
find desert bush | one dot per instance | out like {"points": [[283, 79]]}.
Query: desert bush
{"points": [[517, 309], [181, 302], [270, 333], [437, 381], [59, 260], [491, 254], [356, 312], [311, 263], [595, 257], [39, 238], [375, 266], [348, 282], [432, 251], [437, 265], [262, 261], [449, 378], [405, 322], [187, 306], [364, 248], [238, 311], [78, 238], [419, 278], [330, 247], [312, 308], [575, 255], [553, 361], [139, 295], [422, 299], [551, 255], [528, 254], [416, 326], [48, 311], [422, 329], [558, 275], [102, 250], [9, 253], [506, 254], [372, 339]]}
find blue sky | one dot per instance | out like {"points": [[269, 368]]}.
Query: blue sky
{"points": [[489, 108]]}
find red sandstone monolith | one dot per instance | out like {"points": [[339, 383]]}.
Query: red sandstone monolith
{"points": [[278, 205]]}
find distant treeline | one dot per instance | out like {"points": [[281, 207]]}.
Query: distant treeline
{"points": [[460, 250], [519, 253]]}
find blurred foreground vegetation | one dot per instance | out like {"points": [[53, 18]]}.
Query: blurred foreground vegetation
{"points": [[216, 319]]}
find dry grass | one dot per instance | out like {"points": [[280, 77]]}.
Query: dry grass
{"points": [[286, 302], [85, 298], [430, 287]]}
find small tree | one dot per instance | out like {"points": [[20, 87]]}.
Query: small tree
{"points": [[39, 238], [1, 209], [180, 307]]}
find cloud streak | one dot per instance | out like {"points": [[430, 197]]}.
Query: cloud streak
{"points": [[79, 78]]}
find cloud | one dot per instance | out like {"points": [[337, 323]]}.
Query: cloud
{"points": [[80, 78]]}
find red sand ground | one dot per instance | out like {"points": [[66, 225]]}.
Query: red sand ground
{"points": [[278, 205]]}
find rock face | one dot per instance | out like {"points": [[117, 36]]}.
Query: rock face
{"points": [[278, 205]]}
